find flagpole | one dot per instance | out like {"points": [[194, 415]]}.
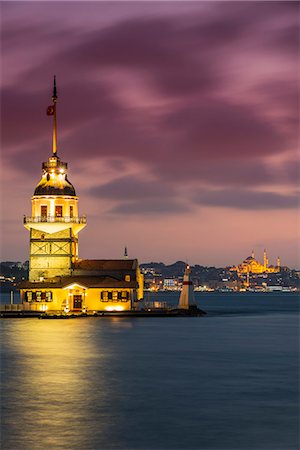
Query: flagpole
{"points": [[54, 99]]}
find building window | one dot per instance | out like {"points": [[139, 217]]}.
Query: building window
{"points": [[28, 296], [58, 211], [49, 296], [109, 295], [38, 296], [104, 296], [125, 296], [71, 211], [44, 211], [127, 277], [115, 296]]}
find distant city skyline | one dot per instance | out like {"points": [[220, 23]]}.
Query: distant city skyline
{"points": [[179, 122]]}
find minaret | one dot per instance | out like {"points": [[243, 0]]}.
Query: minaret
{"points": [[252, 254], [54, 223], [187, 298], [266, 262], [125, 253], [278, 263]]}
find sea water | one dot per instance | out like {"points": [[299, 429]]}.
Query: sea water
{"points": [[228, 380]]}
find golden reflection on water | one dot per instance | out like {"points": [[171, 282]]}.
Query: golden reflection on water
{"points": [[121, 324], [185, 383], [57, 368]]}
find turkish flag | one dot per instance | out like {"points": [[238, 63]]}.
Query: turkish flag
{"points": [[50, 110]]}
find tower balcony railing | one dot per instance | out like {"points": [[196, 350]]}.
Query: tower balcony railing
{"points": [[54, 219]]}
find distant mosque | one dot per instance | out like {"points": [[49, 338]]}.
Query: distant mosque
{"points": [[251, 265], [58, 279]]}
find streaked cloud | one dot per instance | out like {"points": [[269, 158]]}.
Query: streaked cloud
{"points": [[202, 97], [247, 199]]}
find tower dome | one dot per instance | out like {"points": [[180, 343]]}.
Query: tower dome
{"points": [[54, 179]]}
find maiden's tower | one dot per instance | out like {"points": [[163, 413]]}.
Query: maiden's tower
{"points": [[58, 279]]}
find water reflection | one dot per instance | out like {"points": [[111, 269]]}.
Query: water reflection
{"points": [[120, 323], [55, 370], [215, 383]]}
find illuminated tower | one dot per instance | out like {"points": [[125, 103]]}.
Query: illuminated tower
{"points": [[278, 263], [266, 262], [54, 223], [187, 297]]}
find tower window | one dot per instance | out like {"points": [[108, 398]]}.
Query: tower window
{"points": [[71, 211], [127, 277], [58, 211], [44, 211]]}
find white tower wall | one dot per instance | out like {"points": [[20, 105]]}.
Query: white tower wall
{"points": [[187, 297]]}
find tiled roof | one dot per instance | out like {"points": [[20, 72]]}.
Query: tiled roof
{"points": [[106, 264], [89, 282]]}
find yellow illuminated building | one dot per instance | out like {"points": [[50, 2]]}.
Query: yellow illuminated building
{"points": [[252, 265], [58, 279]]}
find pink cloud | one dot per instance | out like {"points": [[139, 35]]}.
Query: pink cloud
{"points": [[186, 112]]}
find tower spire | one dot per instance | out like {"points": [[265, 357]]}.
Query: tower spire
{"points": [[51, 111], [54, 96], [54, 99]]}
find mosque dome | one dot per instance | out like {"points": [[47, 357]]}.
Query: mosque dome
{"points": [[249, 259]]}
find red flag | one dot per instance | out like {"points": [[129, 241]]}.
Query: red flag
{"points": [[50, 110]]}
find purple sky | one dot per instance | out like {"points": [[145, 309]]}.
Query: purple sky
{"points": [[179, 121]]}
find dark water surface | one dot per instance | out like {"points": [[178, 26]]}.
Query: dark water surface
{"points": [[225, 381]]}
